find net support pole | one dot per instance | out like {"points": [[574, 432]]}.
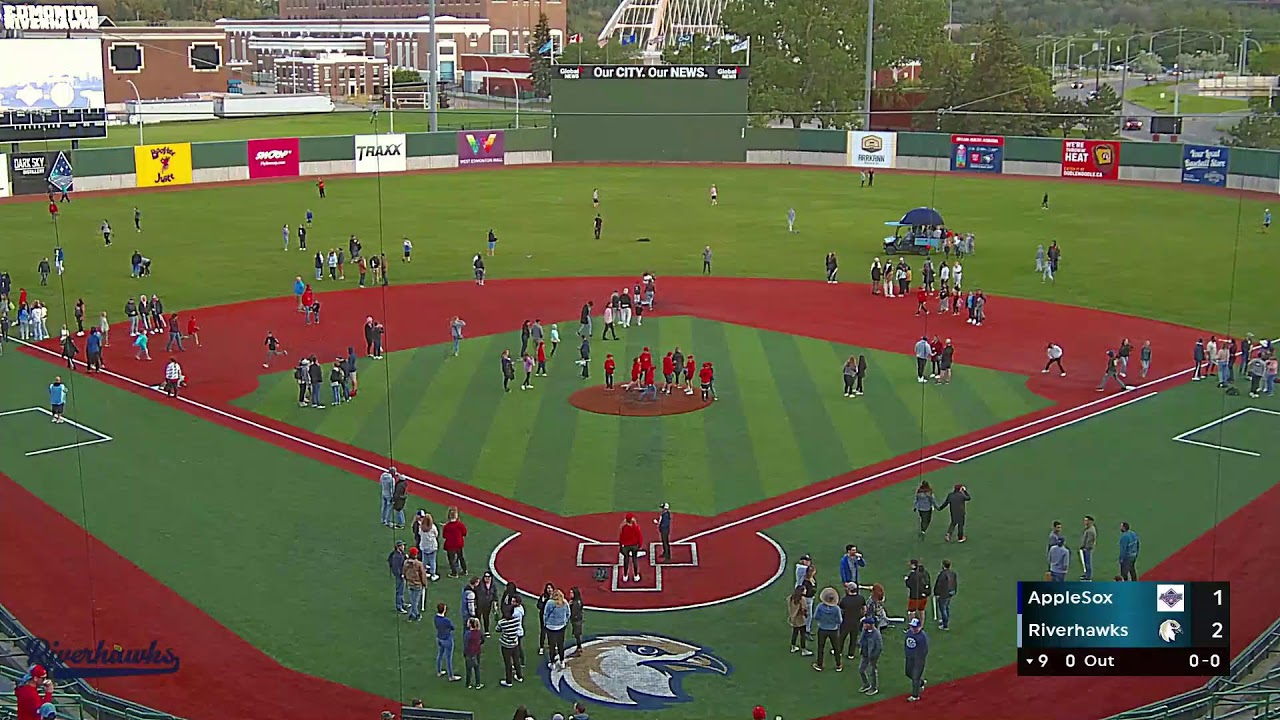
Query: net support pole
{"points": [[871, 71]]}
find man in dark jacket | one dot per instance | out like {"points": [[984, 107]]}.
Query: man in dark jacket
{"points": [[916, 649], [315, 380], [956, 502], [664, 531], [852, 607], [944, 588], [395, 562], [917, 582]]}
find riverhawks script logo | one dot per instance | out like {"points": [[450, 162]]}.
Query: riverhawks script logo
{"points": [[632, 672]]}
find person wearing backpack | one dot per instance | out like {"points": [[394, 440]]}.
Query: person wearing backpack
{"points": [[399, 494]]}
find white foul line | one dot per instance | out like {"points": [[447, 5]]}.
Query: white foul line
{"points": [[336, 453], [1208, 425], [1182, 437], [1045, 431], [924, 460]]}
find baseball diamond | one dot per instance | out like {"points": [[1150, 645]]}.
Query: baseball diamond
{"points": [[238, 519]]}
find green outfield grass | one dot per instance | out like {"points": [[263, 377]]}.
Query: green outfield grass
{"points": [[287, 551], [1185, 257], [1159, 97], [781, 422], [282, 126]]}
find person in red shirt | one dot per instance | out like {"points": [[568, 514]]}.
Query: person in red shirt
{"points": [[650, 387], [320, 188], [193, 330], [455, 539], [308, 302], [34, 690], [646, 360], [630, 540], [690, 372], [935, 354], [707, 377], [922, 297], [53, 214], [668, 373], [541, 354], [635, 375], [609, 367]]}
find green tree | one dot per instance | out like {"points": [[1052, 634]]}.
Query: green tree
{"points": [[539, 62], [1259, 130], [1265, 61], [808, 58], [1102, 114], [1067, 114], [699, 49], [404, 76], [1002, 84], [1146, 63]]}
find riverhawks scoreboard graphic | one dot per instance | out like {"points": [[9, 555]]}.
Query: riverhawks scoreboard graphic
{"points": [[1124, 628]]}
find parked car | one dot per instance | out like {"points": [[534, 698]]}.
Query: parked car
{"points": [[1149, 77], [1132, 124], [1076, 85]]}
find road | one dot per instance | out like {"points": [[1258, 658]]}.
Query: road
{"points": [[1197, 130]]}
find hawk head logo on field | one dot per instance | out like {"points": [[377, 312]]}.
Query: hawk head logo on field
{"points": [[634, 672]]}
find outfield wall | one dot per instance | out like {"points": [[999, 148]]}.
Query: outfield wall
{"points": [[176, 164]]}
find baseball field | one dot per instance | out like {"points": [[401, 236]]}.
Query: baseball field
{"points": [[242, 530]]}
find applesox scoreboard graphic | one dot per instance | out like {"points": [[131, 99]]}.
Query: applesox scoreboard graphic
{"points": [[1124, 628]]}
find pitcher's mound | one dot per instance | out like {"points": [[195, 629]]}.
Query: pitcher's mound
{"points": [[627, 402]]}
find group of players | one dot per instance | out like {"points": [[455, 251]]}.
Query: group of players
{"points": [[675, 368]]}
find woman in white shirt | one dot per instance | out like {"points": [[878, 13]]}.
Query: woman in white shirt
{"points": [[41, 315], [429, 544]]}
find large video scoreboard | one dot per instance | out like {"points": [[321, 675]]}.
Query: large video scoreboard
{"points": [[1124, 628], [51, 88]]}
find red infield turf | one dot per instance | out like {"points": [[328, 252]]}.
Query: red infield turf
{"points": [[223, 675]]}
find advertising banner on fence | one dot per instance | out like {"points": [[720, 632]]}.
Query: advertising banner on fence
{"points": [[274, 158], [977, 153], [1205, 165], [1098, 159], [381, 153], [487, 147], [162, 165], [4, 175], [37, 173], [872, 150]]}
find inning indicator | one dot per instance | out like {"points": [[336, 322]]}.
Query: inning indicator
{"points": [[1124, 628]]}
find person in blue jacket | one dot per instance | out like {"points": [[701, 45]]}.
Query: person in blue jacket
{"points": [[851, 564], [916, 650], [1128, 553]]}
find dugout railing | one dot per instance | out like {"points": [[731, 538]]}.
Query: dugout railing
{"points": [[1227, 697]]}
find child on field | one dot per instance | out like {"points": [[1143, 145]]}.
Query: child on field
{"points": [[609, 367], [528, 371], [141, 344]]}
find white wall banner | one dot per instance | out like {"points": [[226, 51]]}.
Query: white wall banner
{"points": [[872, 149], [4, 175], [381, 153]]}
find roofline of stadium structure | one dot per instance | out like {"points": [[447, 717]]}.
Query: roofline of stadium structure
{"points": [[660, 23]]}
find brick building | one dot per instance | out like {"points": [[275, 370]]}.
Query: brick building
{"points": [[396, 33], [334, 75]]}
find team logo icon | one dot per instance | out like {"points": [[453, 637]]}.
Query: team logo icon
{"points": [[1170, 598], [872, 143], [1103, 155], [1170, 630], [632, 672], [479, 146]]}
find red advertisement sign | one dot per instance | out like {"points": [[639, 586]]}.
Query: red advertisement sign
{"points": [[1097, 159], [274, 158]]}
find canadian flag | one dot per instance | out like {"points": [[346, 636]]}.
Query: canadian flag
{"points": [[575, 38]]}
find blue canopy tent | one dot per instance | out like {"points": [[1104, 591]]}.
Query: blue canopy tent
{"points": [[914, 242]]}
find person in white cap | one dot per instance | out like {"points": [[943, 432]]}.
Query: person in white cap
{"points": [[663, 521]]}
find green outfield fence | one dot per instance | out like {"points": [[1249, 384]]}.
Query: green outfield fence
{"points": [[1167, 162]]}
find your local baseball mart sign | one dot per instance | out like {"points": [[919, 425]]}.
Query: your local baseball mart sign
{"points": [[872, 150], [381, 153], [1205, 165], [49, 17]]}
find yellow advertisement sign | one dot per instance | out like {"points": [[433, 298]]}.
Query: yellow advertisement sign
{"points": [[162, 165]]}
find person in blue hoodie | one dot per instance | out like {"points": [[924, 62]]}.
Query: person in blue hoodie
{"points": [[828, 618], [870, 646], [1059, 560], [916, 650], [444, 644], [1128, 553], [298, 288], [851, 565]]}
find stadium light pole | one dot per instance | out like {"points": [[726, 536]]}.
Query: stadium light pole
{"points": [[434, 65], [871, 71], [138, 96], [515, 83]]}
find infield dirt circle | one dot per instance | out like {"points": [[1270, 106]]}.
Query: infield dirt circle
{"points": [[602, 400]]}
